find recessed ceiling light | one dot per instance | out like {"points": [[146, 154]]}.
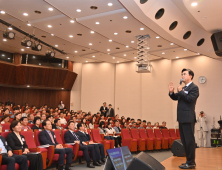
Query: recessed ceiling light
{"points": [[185, 49], [110, 40], [67, 57], [56, 45], [97, 23], [27, 47], [141, 28], [198, 53], [52, 34], [110, 4], [33, 56], [40, 64], [93, 56], [108, 49], [9, 58], [50, 9], [127, 46], [92, 32], [135, 57], [171, 43], [87, 61], [90, 43], [177, 57], [62, 88], [29, 24], [3, 55], [115, 33], [25, 14], [71, 36], [10, 28], [113, 57], [157, 37], [124, 55], [78, 10], [117, 61], [125, 17], [2, 12], [4, 39], [28, 86], [109, 53], [76, 51], [22, 50], [72, 21], [49, 26], [194, 4], [163, 53], [59, 64], [148, 48], [132, 41]]}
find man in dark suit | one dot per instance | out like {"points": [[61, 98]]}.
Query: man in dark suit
{"points": [[103, 109], [85, 137], [8, 158], [71, 137], [187, 97], [47, 137], [110, 111]]}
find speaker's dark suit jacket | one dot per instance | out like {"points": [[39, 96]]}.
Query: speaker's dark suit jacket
{"points": [[101, 110], [111, 113], [187, 99], [186, 117]]}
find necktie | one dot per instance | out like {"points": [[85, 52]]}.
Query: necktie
{"points": [[119, 129], [184, 88], [75, 136], [50, 134]]}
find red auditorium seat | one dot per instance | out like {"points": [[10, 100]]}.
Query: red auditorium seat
{"points": [[173, 133], [128, 141], [149, 142], [75, 147], [157, 142], [96, 126], [166, 134], [141, 143], [108, 144], [6, 127], [31, 125], [32, 146], [178, 133], [164, 141]]}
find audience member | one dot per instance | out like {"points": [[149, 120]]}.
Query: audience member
{"points": [[163, 125], [51, 119], [24, 123], [102, 130], [17, 116], [91, 124], [112, 131], [84, 123], [58, 124], [43, 117], [30, 118], [103, 109], [149, 126], [134, 125], [37, 122], [5, 119], [156, 125], [141, 126], [110, 111]]}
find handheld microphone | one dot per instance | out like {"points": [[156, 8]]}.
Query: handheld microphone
{"points": [[181, 80]]}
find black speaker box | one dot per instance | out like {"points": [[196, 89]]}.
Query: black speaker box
{"points": [[177, 148], [216, 39], [144, 161]]}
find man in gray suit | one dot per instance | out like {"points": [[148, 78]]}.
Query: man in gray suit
{"points": [[202, 128], [186, 97]]}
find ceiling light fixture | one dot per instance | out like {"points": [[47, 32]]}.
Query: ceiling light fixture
{"points": [[22, 50], [110, 4], [78, 10], [10, 28], [108, 49], [9, 58], [148, 48], [50, 9], [26, 43], [177, 57], [28, 86], [125, 17], [113, 57], [33, 56], [132, 41], [171, 43], [141, 29], [163, 52], [90, 43], [36, 47], [97, 23], [62, 88], [92, 32], [2, 12], [124, 55], [135, 57], [40, 64], [117, 61], [115, 33], [87, 61], [76, 51], [157, 37], [110, 40], [127, 46], [52, 34], [3, 55], [71, 36], [9, 35], [185, 49], [93, 56], [72, 21], [67, 57], [56, 45], [29, 24], [25, 14], [194, 4], [49, 26], [198, 53]]}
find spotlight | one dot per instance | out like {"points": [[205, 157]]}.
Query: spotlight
{"points": [[50, 53], [37, 47], [9, 35], [26, 43]]}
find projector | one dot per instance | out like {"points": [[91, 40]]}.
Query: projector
{"points": [[143, 68]]}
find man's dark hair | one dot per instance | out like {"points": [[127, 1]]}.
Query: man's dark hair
{"points": [[5, 109], [132, 119], [30, 114], [26, 109], [134, 122], [22, 118], [16, 108], [71, 121], [191, 73], [138, 119], [61, 113], [144, 121], [79, 125], [56, 121], [49, 116], [13, 124], [36, 118], [44, 123]]}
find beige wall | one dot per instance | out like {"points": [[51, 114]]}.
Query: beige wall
{"points": [[145, 95]]}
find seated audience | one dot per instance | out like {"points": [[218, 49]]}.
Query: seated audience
{"points": [[131, 122], [123, 120], [85, 137], [102, 130], [37, 114], [149, 126], [112, 131], [18, 116], [117, 127], [134, 125], [30, 118], [43, 117], [91, 124], [8, 158], [156, 125], [117, 117], [71, 137], [58, 124], [144, 122], [26, 112], [102, 118], [163, 125], [128, 120], [17, 142], [126, 126], [141, 126], [5, 119], [51, 119], [84, 123], [62, 118], [47, 137], [78, 117], [37, 122], [16, 110], [24, 123], [138, 122]]}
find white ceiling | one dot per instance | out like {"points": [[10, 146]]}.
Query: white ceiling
{"points": [[110, 18]]}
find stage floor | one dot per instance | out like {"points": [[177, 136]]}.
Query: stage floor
{"points": [[206, 159]]}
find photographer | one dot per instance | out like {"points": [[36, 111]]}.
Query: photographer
{"points": [[202, 128]]}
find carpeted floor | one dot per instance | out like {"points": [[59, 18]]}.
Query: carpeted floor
{"points": [[158, 155]]}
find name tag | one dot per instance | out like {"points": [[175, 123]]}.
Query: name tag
{"points": [[5, 143], [23, 139], [186, 92], [54, 136]]}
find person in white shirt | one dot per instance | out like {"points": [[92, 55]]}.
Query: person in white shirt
{"points": [[156, 125], [61, 105], [202, 128], [91, 124], [62, 119], [111, 132], [149, 125]]}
